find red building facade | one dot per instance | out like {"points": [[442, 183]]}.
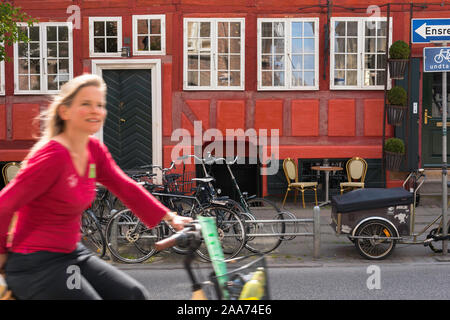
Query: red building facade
{"points": [[231, 64]]}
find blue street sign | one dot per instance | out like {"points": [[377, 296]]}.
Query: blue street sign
{"points": [[436, 59], [430, 30]]}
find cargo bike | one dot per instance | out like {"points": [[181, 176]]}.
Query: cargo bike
{"points": [[376, 219]]}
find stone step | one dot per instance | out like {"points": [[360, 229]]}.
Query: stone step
{"points": [[431, 190]]}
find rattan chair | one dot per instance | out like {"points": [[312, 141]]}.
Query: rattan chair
{"points": [[356, 173], [9, 171], [291, 173]]}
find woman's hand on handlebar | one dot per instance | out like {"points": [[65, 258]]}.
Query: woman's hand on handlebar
{"points": [[176, 221]]}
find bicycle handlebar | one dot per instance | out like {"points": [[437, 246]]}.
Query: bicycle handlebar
{"points": [[172, 165], [209, 159], [184, 237]]}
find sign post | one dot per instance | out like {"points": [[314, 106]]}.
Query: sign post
{"points": [[437, 59]]}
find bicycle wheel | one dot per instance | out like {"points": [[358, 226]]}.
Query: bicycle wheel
{"points": [[378, 245], [128, 239], [230, 229], [436, 246], [267, 235], [92, 234]]}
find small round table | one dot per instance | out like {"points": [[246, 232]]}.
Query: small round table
{"points": [[327, 170]]}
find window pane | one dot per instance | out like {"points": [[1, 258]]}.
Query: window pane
{"points": [[309, 62], [63, 49], [35, 50], [339, 61], [235, 29], [63, 34], [369, 77], [193, 29], [278, 78], [64, 65], [23, 49], [381, 75], [34, 34], [308, 29], [279, 45], [223, 78], [339, 45], [297, 79], [352, 61], [51, 34], [52, 50], [381, 45], [205, 29], [111, 45], [266, 29], [266, 62], [278, 29], [52, 82], [352, 29], [279, 62], [23, 66], [205, 62], [266, 78], [235, 45], [352, 45], [235, 78], [308, 45], [23, 83], [222, 62], [142, 43], [222, 46], [297, 46], [192, 62], [381, 61], [352, 78], [52, 66], [111, 28], [297, 62], [370, 28], [222, 29], [205, 78], [193, 78], [155, 43], [369, 61], [382, 26], [99, 28], [266, 46], [370, 45], [339, 78], [297, 29], [155, 26], [235, 62], [35, 83], [142, 26], [339, 28], [99, 45], [35, 66], [308, 77], [206, 45]]}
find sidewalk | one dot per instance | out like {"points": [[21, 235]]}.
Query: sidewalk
{"points": [[334, 250]]}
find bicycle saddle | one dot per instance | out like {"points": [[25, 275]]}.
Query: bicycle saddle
{"points": [[204, 180]]}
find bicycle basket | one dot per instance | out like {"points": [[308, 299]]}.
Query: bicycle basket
{"points": [[239, 277]]}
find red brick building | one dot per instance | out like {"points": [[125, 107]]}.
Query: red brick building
{"points": [[313, 69]]}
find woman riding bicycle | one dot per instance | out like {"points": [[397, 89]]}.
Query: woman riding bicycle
{"points": [[56, 183]]}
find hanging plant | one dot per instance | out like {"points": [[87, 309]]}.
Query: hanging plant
{"points": [[394, 150], [398, 59], [397, 105]]}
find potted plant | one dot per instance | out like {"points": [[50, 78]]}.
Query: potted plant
{"points": [[397, 105], [398, 59], [394, 150]]}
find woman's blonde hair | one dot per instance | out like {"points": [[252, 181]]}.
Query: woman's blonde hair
{"points": [[50, 119]]}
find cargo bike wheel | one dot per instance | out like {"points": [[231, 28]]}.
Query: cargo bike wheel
{"points": [[374, 239]]}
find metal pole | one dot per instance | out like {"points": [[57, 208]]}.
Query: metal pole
{"points": [[316, 232], [444, 159]]}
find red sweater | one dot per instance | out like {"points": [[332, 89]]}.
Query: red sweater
{"points": [[50, 196]]}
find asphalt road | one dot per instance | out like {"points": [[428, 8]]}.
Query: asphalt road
{"points": [[428, 281]]}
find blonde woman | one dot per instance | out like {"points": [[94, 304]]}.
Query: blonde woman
{"points": [[56, 183]]}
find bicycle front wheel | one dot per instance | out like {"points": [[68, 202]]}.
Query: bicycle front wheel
{"points": [[230, 229], [264, 237], [128, 239]]}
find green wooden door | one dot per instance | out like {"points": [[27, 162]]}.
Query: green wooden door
{"points": [[128, 127], [432, 120]]}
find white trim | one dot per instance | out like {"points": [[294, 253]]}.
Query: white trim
{"points": [[287, 55], [43, 57], [360, 52], [162, 18], [155, 66], [214, 55], [2, 78], [91, 37]]}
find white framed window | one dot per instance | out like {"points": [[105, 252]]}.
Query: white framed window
{"points": [[149, 34], [45, 63], [214, 54], [288, 53], [105, 36], [358, 53]]}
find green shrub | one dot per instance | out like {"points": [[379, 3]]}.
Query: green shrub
{"points": [[397, 96], [394, 145], [399, 50]]}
